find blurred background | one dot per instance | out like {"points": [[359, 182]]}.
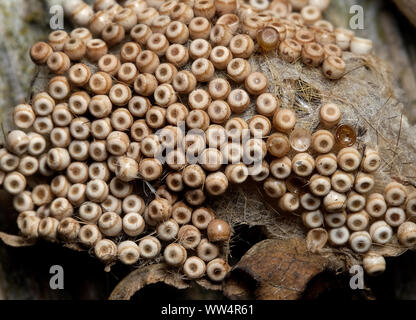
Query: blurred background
{"points": [[24, 272]]}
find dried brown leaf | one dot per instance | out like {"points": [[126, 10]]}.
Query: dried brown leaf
{"points": [[16, 241], [142, 277], [206, 284], [74, 246], [236, 287], [281, 268]]}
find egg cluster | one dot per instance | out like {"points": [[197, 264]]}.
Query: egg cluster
{"points": [[332, 185], [154, 91]]}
